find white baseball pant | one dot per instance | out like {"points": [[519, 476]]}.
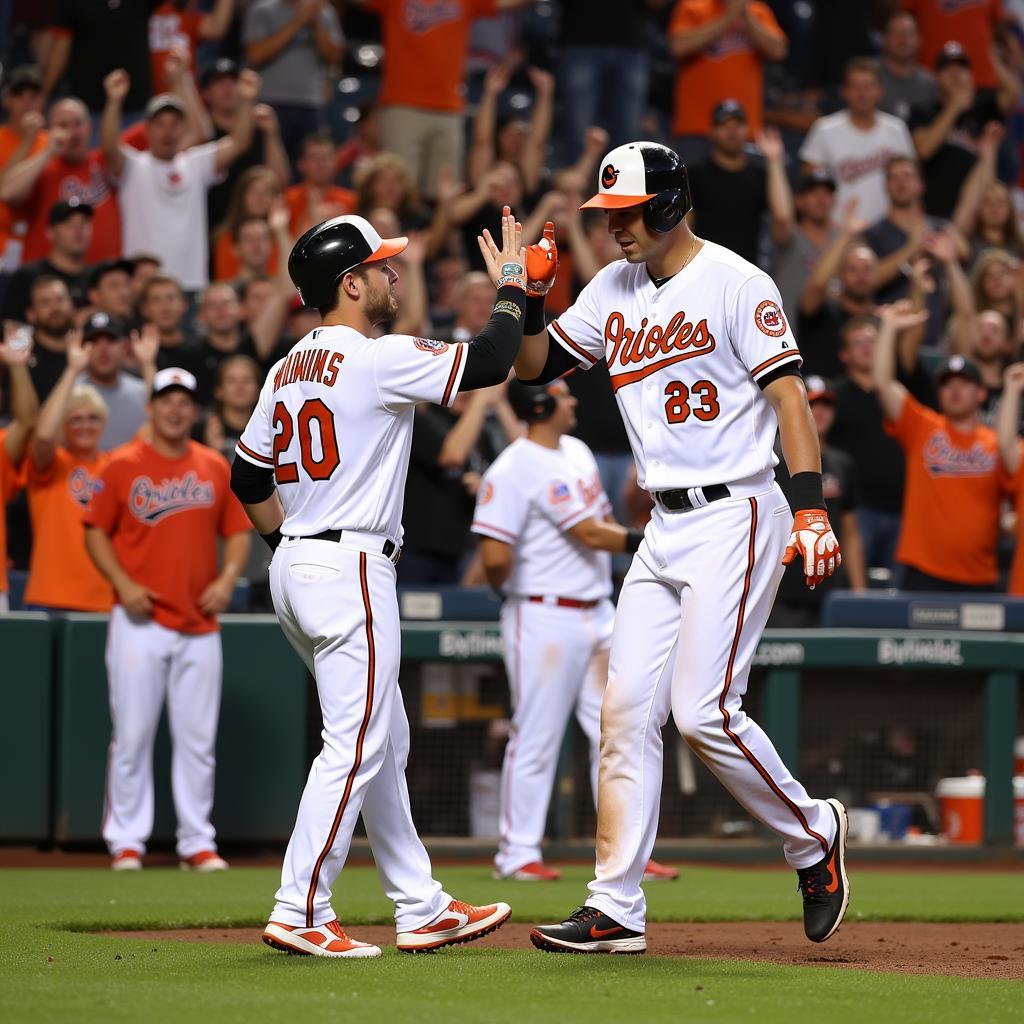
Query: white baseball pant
{"points": [[146, 663], [556, 660], [338, 608], [687, 624]]}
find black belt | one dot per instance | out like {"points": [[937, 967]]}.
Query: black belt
{"points": [[390, 550], [679, 500]]}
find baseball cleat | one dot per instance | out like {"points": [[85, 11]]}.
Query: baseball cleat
{"points": [[825, 887], [655, 872], [126, 860], [588, 931], [459, 923], [327, 940], [204, 862], [532, 872]]}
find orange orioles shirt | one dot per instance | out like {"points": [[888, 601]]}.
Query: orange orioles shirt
{"points": [[729, 68], [968, 22], [1017, 489], [60, 572], [164, 517], [12, 480], [425, 43], [169, 27], [955, 483]]}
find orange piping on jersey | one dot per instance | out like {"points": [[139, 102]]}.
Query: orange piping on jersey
{"points": [[456, 363], [253, 455], [620, 380], [496, 529], [771, 362], [572, 344]]}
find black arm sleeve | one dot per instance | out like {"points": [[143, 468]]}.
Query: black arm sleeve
{"points": [[786, 370], [251, 484], [558, 364], [489, 356]]}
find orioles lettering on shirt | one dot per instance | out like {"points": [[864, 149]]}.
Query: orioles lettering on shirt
{"points": [[150, 502], [679, 339], [316, 365]]}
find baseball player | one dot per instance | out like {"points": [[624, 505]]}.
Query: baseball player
{"points": [[546, 529], [704, 367], [321, 470], [151, 528]]}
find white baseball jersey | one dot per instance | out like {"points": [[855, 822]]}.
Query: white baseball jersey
{"points": [[684, 361], [334, 420], [529, 497]]}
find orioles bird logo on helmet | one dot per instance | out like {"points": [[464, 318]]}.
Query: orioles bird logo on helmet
{"points": [[609, 176]]}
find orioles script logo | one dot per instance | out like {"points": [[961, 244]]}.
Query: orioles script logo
{"points": [[150, 502], [679, 339]]}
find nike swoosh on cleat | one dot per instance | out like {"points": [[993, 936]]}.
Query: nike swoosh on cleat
{"points": [[600, 933], [834, 884]]}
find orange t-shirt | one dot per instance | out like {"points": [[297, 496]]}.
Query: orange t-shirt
{"points": [[225, 263], [12, 479], [1017, 570], [12, 223], [425, 47], [731, 68], [333, 203], [88, 181], [60, 572], [968, 22], [954, 486], [169, 27], [164, 517]]}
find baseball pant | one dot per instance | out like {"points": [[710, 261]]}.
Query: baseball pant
{"points": [[338, 608], [688, 621], [426, 140], [556, 660], [146, 664]]}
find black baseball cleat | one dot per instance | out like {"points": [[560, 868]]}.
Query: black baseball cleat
{"points": [[824, 885], [588, 931]]}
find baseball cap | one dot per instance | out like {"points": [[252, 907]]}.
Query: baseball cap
{"points": [[957, 366], [102, 324], [224, 67], [171, 378], [633, 173], [818, 390], [65, 209], [27, 76], [728, 108], [108, 267], [813, 179], [164, 101], [951, 53]]}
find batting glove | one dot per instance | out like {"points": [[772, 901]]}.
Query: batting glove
{"points": [[541, 263], [812, 539]]}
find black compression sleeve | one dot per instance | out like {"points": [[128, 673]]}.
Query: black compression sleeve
{"points": [[489, 356], [558, 364], [787, 370], [535, 322], [251, 484]]}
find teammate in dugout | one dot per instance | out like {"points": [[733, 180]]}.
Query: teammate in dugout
{"points": [[704, 366], [157, 500], [333, 514], [546, 529]]}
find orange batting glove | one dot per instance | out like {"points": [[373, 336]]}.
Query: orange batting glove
{"points": [[541, 263], [813, 539]]}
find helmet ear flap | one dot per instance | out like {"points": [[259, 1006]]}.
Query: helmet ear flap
{"points": [[665, 211]]}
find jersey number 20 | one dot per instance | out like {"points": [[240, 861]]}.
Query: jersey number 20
{"points": [[313, 410]]}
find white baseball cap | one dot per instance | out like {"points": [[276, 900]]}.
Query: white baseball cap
{"points": [[173, 377]]}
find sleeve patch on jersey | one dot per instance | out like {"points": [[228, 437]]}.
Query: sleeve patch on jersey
{"points": [[769, 319], [486, 493], [559, 492], [435, 348]]}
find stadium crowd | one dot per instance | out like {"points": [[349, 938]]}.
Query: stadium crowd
{"points": [[159, 158]]}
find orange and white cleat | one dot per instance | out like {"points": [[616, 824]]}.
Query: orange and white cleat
{"points": [[459, 923], [205, 861], [655, 872], [535, 871], [126, 860], [327, 940]]}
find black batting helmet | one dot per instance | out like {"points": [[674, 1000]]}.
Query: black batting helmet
{"points": [[328, 251], [647, 173], [530, 402]]}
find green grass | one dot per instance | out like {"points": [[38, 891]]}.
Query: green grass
{"points": [[50, 913]]}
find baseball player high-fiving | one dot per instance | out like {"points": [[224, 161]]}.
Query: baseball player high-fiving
{"points": [[704, 367], [321, 470]]}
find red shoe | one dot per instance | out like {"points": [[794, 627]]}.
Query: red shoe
{"points": [[655, 872], [459, 923], [204, 862], [127, 860], [327, 940], [533, 872]]}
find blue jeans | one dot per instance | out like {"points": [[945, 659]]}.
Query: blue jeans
{"points": [[880, 531], [601, 85], [615, 470], [296, 123]]}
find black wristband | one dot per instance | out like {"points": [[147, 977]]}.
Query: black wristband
{"points": [[534, 322], [634, 538], [273, 538], [805, 491]]}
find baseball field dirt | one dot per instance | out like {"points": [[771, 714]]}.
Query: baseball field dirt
{"points": [[726, 945]]}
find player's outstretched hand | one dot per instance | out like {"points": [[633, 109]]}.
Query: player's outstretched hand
{"points": [[813, 540], [542, 263], [506, 265]]}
